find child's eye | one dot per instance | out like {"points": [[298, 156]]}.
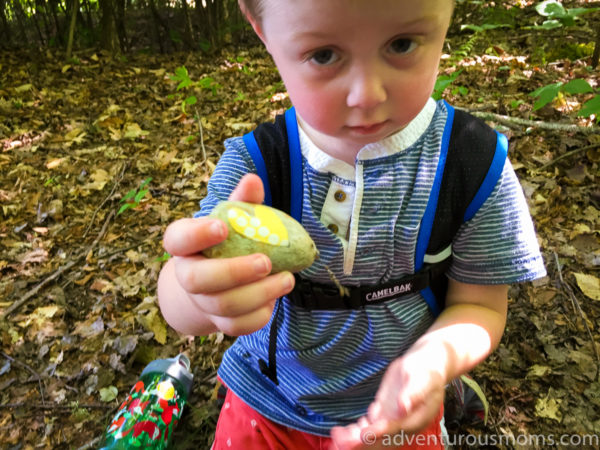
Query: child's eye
{"points": [[402, 46], [324, 57]]}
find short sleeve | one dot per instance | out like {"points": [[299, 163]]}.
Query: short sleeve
{"points": [[235, 162], [498, 245]]}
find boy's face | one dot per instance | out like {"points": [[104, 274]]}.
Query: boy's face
{"points": [[356, 70]]}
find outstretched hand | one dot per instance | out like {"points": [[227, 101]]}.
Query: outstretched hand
{"points": [[408, 400]]}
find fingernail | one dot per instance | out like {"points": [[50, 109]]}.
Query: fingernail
{"points": [[217, 229], [287, 281], [260, 265]]}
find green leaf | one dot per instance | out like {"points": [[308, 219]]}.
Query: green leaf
{"points": [[551, 8], [577, 86], [191, 100], [140, 195], [181, 72], [574, 12], [546, 94], [165, 256], [108, 394], [475, 28], [129, 195], [145, 182], [548, 25], [590, 107], [185, 83], [124, 207]]}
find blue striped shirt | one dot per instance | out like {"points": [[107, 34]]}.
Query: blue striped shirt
{"points": [[330, 363]]}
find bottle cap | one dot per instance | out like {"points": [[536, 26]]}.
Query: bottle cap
{"points": [[178, 368]]}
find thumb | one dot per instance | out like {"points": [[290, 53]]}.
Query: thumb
{"points": [[249, 189]]}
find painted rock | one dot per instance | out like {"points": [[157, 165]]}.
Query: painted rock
{"points": [[261, 229]]}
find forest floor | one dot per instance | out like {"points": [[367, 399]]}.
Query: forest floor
{"points": [[78, 278]]}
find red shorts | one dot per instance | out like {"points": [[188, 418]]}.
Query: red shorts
{"points": [[240, 427]]}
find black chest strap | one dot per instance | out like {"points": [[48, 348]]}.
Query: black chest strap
{"points": [[310, 295]]}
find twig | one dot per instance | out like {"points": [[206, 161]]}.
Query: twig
{"points": [[33, 372], [566, 155], [201, 136], [17, 304], [56, 406], [517, 122], [91, 444], [112, 191], [577, 306]]}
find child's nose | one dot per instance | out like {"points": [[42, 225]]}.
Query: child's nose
{"points": [[366, 91]]}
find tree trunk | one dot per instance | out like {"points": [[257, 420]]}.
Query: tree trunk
{"points": [[53, 4], [188, 34], [34, 19], [596, 54], [40, 6], [120, 22], [159, 22], [19, 14], [5, 26], [74, 9], [88, 16], [108, 28]]}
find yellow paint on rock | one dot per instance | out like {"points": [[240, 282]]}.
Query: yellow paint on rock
{"points": [[264, 226]]}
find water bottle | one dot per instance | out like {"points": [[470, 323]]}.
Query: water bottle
{"points": [[151, 411]]}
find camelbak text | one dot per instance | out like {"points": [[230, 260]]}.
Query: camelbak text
{"points": [[389, 292]]}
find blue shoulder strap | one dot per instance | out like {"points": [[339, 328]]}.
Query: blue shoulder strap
{"points": [[491, 178], [295, 153], [259, 162], [427, 221], [291, 125]]}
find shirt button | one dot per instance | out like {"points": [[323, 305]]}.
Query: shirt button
{"points": [[333, 228], [300, 410], [340, 196]]}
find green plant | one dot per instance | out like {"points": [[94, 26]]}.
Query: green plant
{"points": [[442, 82], [133, 197], [164, 257], [185, 83], [548, 93], [182, 76], [557, 15]]}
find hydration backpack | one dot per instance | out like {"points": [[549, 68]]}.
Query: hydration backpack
{"points": [[472, 157], [471, 161]]}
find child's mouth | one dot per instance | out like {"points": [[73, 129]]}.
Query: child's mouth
{"points": [[368, 129]]}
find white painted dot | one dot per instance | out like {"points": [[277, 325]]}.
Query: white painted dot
{"points": [[253, 423], [255, 222], [241, 221], [232, 214], [263, 231], [249, 232], [273, 239], [226, 405], [229, 442]]}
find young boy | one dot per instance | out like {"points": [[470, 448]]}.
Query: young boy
{"points": [[360, 74]]}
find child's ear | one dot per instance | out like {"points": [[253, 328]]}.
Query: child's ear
{"points": [[252, 20]]}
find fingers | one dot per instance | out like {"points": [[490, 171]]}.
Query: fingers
{"points": [[189, 236], [249, 189], [200, 275], [250, 297], [246, 324]]}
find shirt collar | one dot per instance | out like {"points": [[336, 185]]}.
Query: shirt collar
{"points": [[398, 142]]}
